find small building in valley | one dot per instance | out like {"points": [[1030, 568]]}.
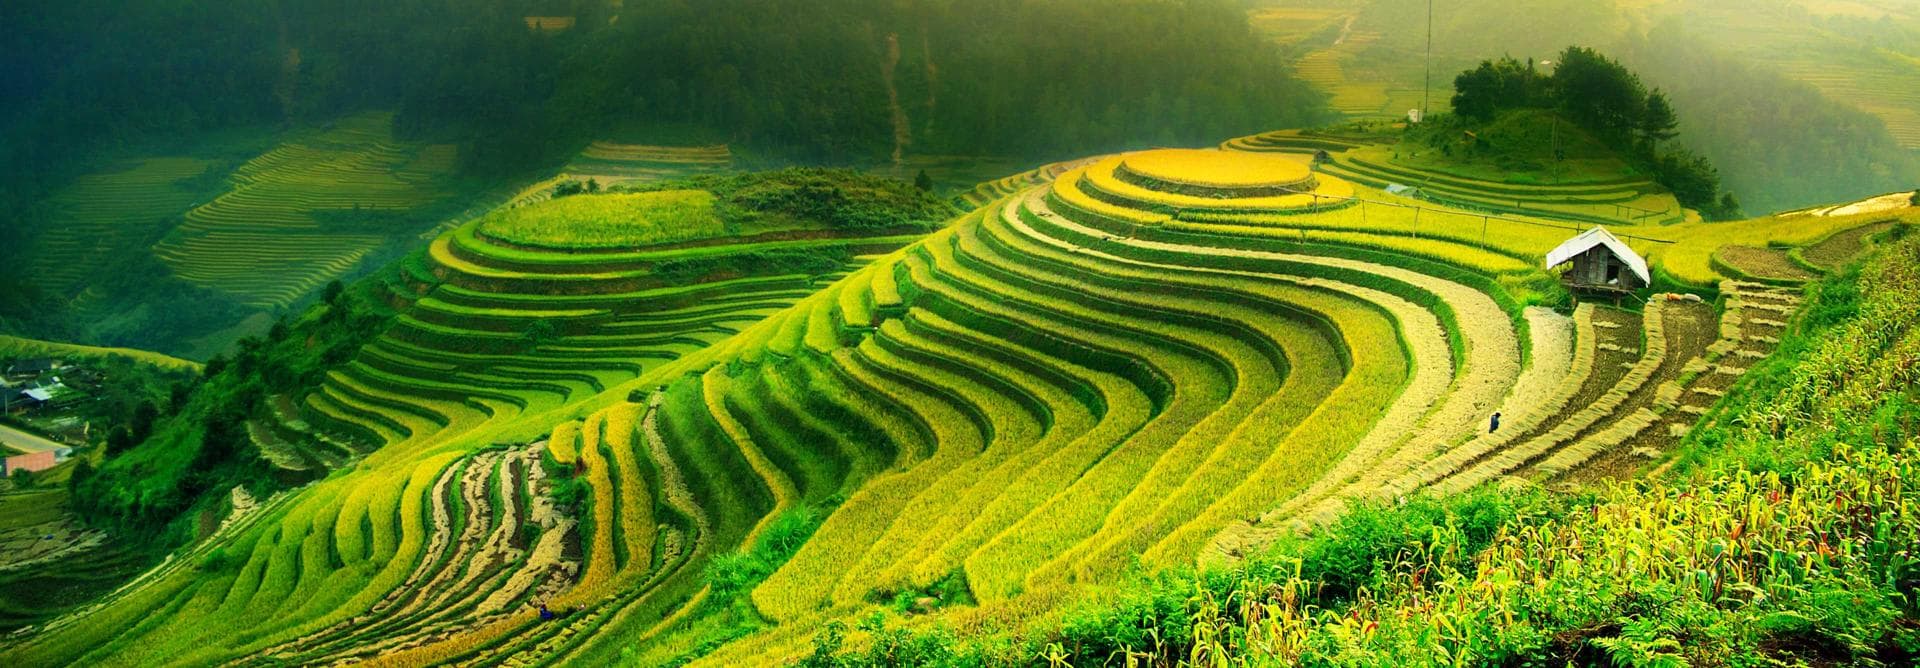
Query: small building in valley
{"points": [[32, 461], [54, 396], [1600, 262]]}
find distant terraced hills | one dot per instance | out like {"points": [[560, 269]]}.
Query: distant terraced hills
{"points": [[307, 211], [1603, 200], [102, 216]]}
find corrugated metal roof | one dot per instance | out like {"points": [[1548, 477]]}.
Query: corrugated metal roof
{"points": [[1599, 236]]}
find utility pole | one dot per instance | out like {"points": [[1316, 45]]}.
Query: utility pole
{"points": [[1426, 82]]}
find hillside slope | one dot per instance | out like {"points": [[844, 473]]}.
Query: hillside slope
{"points": [[1779, 538], [1762, 88], [1159, 358]]}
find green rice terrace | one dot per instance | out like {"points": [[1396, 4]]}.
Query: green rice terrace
{"points": [[105, 214], [695, 429], [310, 208], [1600, 190], [606, 164], [1023, 333]]}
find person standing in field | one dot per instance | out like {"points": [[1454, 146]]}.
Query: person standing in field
{"points": [[1494, 424]]}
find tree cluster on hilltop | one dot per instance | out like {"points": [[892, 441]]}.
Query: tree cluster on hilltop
{"points": [[1608, 100]]}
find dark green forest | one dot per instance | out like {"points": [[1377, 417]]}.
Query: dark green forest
{"points": [[790, 80]]}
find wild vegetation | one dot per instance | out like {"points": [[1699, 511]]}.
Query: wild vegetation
{"points": [[185, 456], [54, 561]]}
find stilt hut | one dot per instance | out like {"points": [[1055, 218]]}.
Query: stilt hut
{"points": [[1600, 263]]}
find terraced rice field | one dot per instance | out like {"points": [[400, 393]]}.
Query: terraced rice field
{"points": [[49, 560], [988, 191], [293, 217], [1623, 201], [107, 214], [430, 529], [1291, 25], [1327, 69], [1155, 359], [1349, 66], [490, 326], [613, 163], [1887, 91], [1874, 81], [1843, 247], [1765, 264]]}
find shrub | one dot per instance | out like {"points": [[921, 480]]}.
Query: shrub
{"points": [[812, 262], [565, 486], [731, 575], [838, 199]]}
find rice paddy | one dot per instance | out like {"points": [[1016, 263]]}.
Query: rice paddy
{"points": [[311, 210], [1846, 67], [1134, 362], [611, 163], [622, 220], [106, 214]]}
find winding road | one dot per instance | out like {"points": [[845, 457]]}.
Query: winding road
{"points": [[21, 441]]}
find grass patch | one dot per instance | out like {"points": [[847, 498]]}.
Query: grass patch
{"points": [[615, 220]]}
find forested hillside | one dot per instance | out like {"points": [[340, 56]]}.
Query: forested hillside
{"points": [[818, 80], [852, 80]]}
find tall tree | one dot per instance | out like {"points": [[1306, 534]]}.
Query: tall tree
{"points": [[1658, 123], [1599, 93]]}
